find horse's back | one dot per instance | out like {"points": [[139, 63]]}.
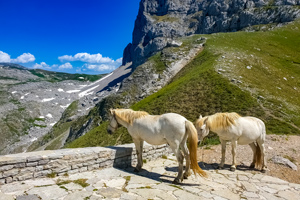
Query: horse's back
{"points": [[251, 129], [158, 129]]}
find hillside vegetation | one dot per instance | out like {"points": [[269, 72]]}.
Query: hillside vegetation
{"points": [[252, 73]]}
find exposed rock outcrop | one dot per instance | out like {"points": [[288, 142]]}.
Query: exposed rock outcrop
{"points": [[160, 21]]}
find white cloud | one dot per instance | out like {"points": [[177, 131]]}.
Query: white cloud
{"points": [[4, 57], [42, 65], [66, 66], [24, 58], [102, 67], [86, 57]]}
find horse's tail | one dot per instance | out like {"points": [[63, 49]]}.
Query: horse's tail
{"points": [[193, 145], [258, 157]]}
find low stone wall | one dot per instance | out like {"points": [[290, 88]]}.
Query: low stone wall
{"points": [[23, 166]]}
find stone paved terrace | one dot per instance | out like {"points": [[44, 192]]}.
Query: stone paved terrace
{"points": [[154, 182]]}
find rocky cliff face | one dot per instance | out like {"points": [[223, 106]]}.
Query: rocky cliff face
{"points": [[160, 21]]}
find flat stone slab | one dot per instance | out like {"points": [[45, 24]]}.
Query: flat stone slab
{"points": [[153, 182]]}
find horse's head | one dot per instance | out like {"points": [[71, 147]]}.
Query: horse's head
{"points": [[202, 128], [113, 123]]}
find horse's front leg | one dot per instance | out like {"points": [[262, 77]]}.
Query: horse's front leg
{"points": [[139, 152], [233, 144], [223, 144]]}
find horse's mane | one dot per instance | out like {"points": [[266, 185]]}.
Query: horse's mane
{"points": [[222, 120], [129, 115], [218, 120]]}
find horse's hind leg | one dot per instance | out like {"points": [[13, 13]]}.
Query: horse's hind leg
{"points": [[261, 145], [253, 147], [187, 172], [139, 152], [179, 156]]}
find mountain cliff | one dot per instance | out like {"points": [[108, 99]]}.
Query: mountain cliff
{"points": [[160, 21]]}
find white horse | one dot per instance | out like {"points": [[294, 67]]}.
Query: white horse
{"points": [[170, 128], [239, 130]]}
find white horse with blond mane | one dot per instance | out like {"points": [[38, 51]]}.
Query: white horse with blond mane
{"points": [[239, 130], [170, 128]]}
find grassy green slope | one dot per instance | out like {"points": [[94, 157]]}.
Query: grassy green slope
{"points": [[268, 90]]}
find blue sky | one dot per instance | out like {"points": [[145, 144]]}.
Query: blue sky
{"points": [[73, 36]]}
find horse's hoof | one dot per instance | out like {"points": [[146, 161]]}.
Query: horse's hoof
{"points": [[263, 171], [185, 176], [176, 181], [232, 169], [219, 167], [252, 166]]}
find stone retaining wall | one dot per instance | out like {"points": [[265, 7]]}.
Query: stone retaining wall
{"points": [[23, 166]]}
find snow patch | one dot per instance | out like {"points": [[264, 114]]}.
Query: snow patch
{"points": [[33, 139], [52, 124], [14, 92], [41, 117], [49, 115], [64, 107], [60, 90], [80, 77], [50, 99], [87, 92], [73, 91]]}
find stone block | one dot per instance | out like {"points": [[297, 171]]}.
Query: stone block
{"points": [[6, 167], [92, 167], [62, 169], [31, 164], [34, 158], [43, 162], [83, 169], [55, 156], [20, 165], [8, 180], [11, 172], [76, 166], [6, 160], [25, 177], [105, 154], [27, 169], [41, 173], [39, 168], [2, 181]]}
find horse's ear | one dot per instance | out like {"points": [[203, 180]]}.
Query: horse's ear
{"points": [[200, 117], [205, 120], [111, 111]]}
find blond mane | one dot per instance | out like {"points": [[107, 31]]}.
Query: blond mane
{"points": [[129, 115], [222, 120], [200, 122]]}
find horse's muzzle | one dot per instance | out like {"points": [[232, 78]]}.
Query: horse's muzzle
{"points": [[199, 141], [109, 131]]}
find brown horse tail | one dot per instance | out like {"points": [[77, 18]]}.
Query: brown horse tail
{"points": [[258, 157], [193, 145]]}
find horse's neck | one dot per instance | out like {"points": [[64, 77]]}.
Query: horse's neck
{"points": [[122, 122]]}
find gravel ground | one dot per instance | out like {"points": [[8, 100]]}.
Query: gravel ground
{"points": [[284, 146]]}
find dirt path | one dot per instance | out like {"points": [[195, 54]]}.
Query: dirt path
{"points": [[284, 146]]}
